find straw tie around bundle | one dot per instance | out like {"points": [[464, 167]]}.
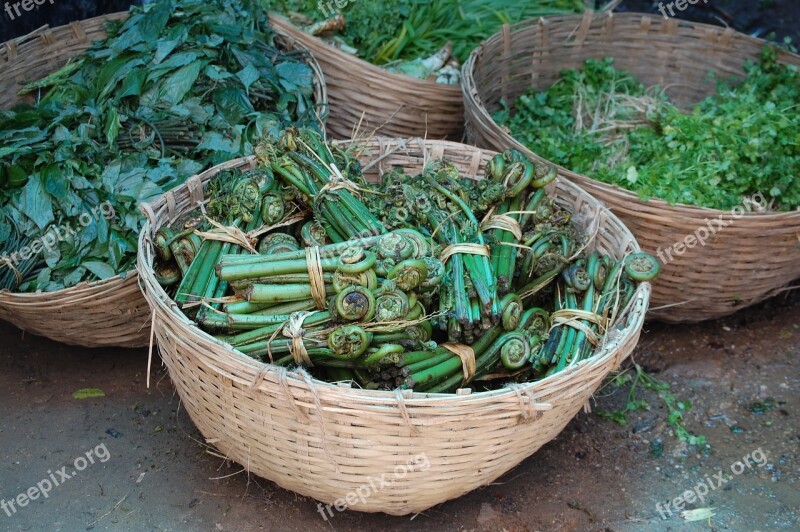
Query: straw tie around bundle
{"points": [[231, 235], [471, 249], [316, 277], [504, 223], [572, 317], [337, 181], [7, 262], [205, 302], [467, 356], [294, 329]]}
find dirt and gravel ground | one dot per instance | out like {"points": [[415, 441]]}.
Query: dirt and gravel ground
{"points": [[741, 374]]}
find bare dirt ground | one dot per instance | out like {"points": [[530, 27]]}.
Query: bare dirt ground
{"points": [[742, 375]]}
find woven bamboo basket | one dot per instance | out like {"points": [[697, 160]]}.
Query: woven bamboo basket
{"points": [[746, 262], [111, 312], [387, 104], [327, 441]]}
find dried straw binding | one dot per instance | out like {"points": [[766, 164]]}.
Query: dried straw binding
{"points": [[324, 440], [392, 105], [746, 262], [111, 312]]}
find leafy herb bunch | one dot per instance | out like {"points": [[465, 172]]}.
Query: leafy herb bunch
{"points": [[741, 141], [177, 87]]}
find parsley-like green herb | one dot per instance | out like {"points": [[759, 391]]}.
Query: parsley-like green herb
{"points": [[741, 141]]}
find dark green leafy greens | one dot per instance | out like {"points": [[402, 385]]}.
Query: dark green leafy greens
{"points": [[179, 86], [601, 122]]}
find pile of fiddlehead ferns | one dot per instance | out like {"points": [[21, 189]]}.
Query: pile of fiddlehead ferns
{"points": [[428, 282]]}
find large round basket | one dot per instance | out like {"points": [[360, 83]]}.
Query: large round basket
{"points": [[327, 441], [748, 260], [370, 98], [111, 312]]}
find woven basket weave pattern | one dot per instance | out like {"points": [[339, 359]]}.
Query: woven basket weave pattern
{"points": [[325, 441], [744, 263], [111, 312], [391, 105]]}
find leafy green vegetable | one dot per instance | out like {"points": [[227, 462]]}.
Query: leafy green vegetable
{"points": [[740, 142], [177, 87], [390, 30]]}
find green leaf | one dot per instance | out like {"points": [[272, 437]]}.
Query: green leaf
{"points": [[154, 20], [51, 255], [112, 127], [112, 73], [178, 60], [57, 183], [181, 82], [213, 141], [88, 393], [36, 202], [188, 168], [217, 73], [632, 175], [132, 86], [6, 151], [294, 75], [175, 37], [100, 270], [232, 103], [248, 75]]}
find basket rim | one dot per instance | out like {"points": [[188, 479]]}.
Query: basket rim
{"points": [[363, 64], [42, 30], [473, 100], [634, 318], [89, 286], [19, 298]]}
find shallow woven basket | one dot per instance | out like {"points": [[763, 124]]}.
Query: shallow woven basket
{"points": [[744, 263], [326, 441], [392, 105], [111, 312]]}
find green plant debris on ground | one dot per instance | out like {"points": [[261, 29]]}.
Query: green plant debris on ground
{"points": [[676, 408], [760, 407], [603, 123], [179, 86], [88, 393]]}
